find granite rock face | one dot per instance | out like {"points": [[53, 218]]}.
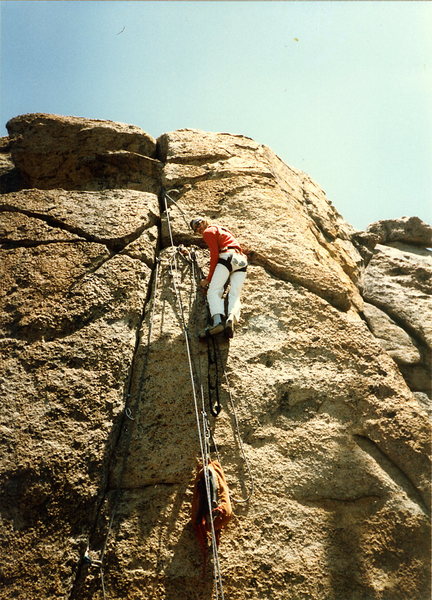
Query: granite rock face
{"points": [[85, 154], [397, 288], [408, 230], [398, 343], [104, 378], [281, 215]]}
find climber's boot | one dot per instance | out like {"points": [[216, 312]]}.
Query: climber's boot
{"points": [[216, 327], [229, 327]]}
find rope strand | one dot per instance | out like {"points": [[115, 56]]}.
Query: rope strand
{"points": [[201, 433]]}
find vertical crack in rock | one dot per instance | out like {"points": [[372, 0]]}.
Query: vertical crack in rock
{"points": [[106, 504]]}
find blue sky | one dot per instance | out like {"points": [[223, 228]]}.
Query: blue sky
{"points": [[340, 90]]}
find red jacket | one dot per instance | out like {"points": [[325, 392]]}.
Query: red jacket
{"points": [[217, 238]]}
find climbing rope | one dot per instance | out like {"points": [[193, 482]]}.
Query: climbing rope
{"points": [[167, 195], [214, 359], [202, 429], [189, 257]]}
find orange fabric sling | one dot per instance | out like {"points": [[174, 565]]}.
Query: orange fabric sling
{"points": [[221, 513]]}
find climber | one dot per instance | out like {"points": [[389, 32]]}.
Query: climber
{"points": [[227, 261], [220, 510]]}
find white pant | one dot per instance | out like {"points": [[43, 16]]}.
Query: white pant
{"points": [[217, 286]]}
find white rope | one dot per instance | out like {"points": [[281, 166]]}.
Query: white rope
{"points": [[201, 433], [167, 194]]}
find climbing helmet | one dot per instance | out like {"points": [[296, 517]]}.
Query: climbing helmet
{"points": [[195, 223]]}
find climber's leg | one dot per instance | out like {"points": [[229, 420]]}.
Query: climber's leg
{"points": [[237, 280], [215, 298]]}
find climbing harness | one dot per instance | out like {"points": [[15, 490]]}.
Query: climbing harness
{"points": [[235, 262]]}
